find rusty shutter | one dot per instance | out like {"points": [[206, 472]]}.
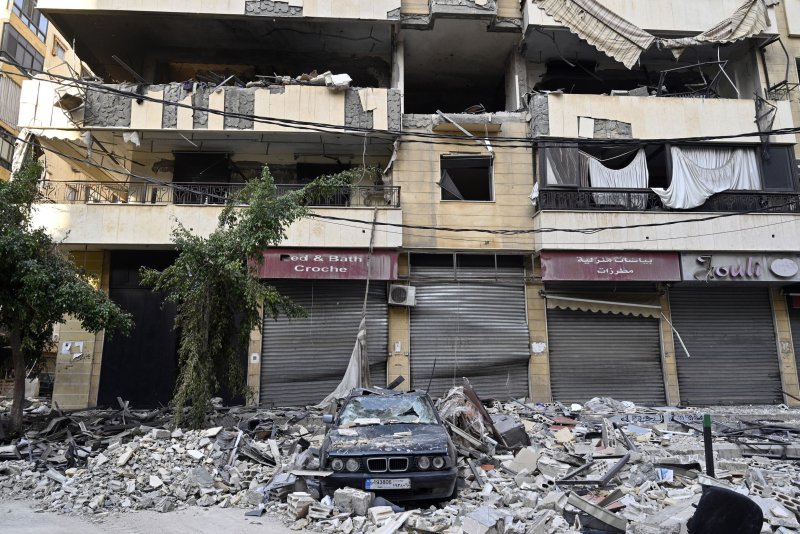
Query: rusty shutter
{"points": [[470, 324], [730, 336], [601, 354], [303, 360]]}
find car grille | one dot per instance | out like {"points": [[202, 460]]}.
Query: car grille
{"points": [[381, 465]]}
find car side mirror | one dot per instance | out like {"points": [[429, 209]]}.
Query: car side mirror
{"points": [[327, 419]]}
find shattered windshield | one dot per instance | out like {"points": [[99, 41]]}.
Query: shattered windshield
{"points": [[379, 410]]}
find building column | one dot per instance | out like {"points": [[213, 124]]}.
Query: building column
{"points": [[786, 356], [668, 355], [399, 363], [539, 367], [254, 364]]}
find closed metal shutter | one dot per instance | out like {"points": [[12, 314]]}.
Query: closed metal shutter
{"points": [[475, 327], [729, 334], [303, 360], [602, 354], [794, 322], [9, 100]]}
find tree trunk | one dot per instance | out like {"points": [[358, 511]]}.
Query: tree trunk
{"points": [[18, 360]]}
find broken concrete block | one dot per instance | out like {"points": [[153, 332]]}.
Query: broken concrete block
{"points": [[319, 511], [155, 482], [99, 460], [486, 520], [552, 468], [160, 433], [167, 504], [526, 458], [564, 435], [555, 500], [352, 501], [124, 457], [298, 504], [212, 432], [379, 514], [195, 454]]}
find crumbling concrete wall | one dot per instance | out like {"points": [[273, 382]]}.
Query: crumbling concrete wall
{"points": [[611, 129], [106, 109], [354, 114], [418, 122], [268, 8], [395, 106], [200, 99], [173, 92], [464, 7], [540, 115], [242, 101]]}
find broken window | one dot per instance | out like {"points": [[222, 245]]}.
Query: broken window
{"points": [[27, 12], [379, 409], [466, 178]]}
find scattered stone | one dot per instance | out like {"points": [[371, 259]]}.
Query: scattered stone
{"points": [[155, 482]]}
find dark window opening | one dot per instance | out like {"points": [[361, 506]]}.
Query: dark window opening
{"points": [[466, 178], [778, 168], [202, 167], [431, 260], [27, 12], [6, 150], [20, 50]]}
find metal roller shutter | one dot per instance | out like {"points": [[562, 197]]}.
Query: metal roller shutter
{"points": [[600, 354], [474, 328], [794, 322], [303, 360], [730, 335]]}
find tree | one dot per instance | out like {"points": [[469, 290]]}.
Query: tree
{"points": [[218, 295], [40, 286]]}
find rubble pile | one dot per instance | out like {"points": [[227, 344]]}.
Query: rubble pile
{"points": [[605, 466]]}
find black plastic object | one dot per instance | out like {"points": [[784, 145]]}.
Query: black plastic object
{"points": [[722, 511]]}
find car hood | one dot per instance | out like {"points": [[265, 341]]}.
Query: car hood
{"points": [[394, 438]]}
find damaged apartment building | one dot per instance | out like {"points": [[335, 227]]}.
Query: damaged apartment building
{"points": [[578, 197]]}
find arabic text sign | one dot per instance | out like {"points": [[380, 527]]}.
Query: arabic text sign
{"points": [[611, 266], [328, 264]]}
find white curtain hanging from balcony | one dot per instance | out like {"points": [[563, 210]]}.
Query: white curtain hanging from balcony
{"points": [[699, 172], [634, 176], [566, 165]]}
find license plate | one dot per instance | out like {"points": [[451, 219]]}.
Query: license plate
{"points": [[388, 483]]}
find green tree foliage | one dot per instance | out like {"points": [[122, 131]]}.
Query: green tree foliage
{"points": [[39, 285], [217, 292]]}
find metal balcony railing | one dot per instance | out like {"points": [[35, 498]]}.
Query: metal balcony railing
{"points": [[646, 200], [202, 194]]}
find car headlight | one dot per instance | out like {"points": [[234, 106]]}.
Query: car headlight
{"points": [[438, 462], [352, 465], [337, 464], [423, 462]]}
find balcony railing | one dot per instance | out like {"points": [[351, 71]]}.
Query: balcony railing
{"points": [[646, 200], [202, 194]]}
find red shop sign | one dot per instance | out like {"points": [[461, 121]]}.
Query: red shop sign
{"points": [[611, 266], [328, 264]]}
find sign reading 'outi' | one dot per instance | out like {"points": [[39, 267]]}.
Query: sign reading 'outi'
{"points": [[329, 264]]}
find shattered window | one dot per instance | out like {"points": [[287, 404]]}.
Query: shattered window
{"points": [[466, 178], [379, 410]]}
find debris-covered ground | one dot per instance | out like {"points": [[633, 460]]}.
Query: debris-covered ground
{"points": [[605, 466]]}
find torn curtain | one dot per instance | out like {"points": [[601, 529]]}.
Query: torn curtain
{"points": [[565, 165], [699, 172], [634, 176], [600, 27]]}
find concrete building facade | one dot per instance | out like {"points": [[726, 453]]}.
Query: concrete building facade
{"points": [[569, 206]]}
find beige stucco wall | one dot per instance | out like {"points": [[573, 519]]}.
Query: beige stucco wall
{"points": [[752, 232], [345, 9], [150, 225], [417, 172], [788, 17], [674, 15], [666, 118]]}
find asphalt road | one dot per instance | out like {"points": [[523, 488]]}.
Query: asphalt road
{"points": [[18, 517]]}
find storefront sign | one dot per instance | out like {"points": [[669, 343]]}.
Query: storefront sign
{"points": [[328, 264], [712, 267], [610, 266]]}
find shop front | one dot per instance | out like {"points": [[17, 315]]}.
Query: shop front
{"points": [[304, 359], [725, 316], [469, 321], [604, 323]]}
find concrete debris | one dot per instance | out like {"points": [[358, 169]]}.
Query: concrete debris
{"points": [[605, 466]]}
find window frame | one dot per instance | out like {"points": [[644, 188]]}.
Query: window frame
{"points": [[11, 34], [28, 13], [465, 155]]}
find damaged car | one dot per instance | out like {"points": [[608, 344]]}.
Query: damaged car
{"points": [[391, 443]]}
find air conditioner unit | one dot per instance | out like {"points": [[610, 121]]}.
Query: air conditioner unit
{"points": [[402, 295]]}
